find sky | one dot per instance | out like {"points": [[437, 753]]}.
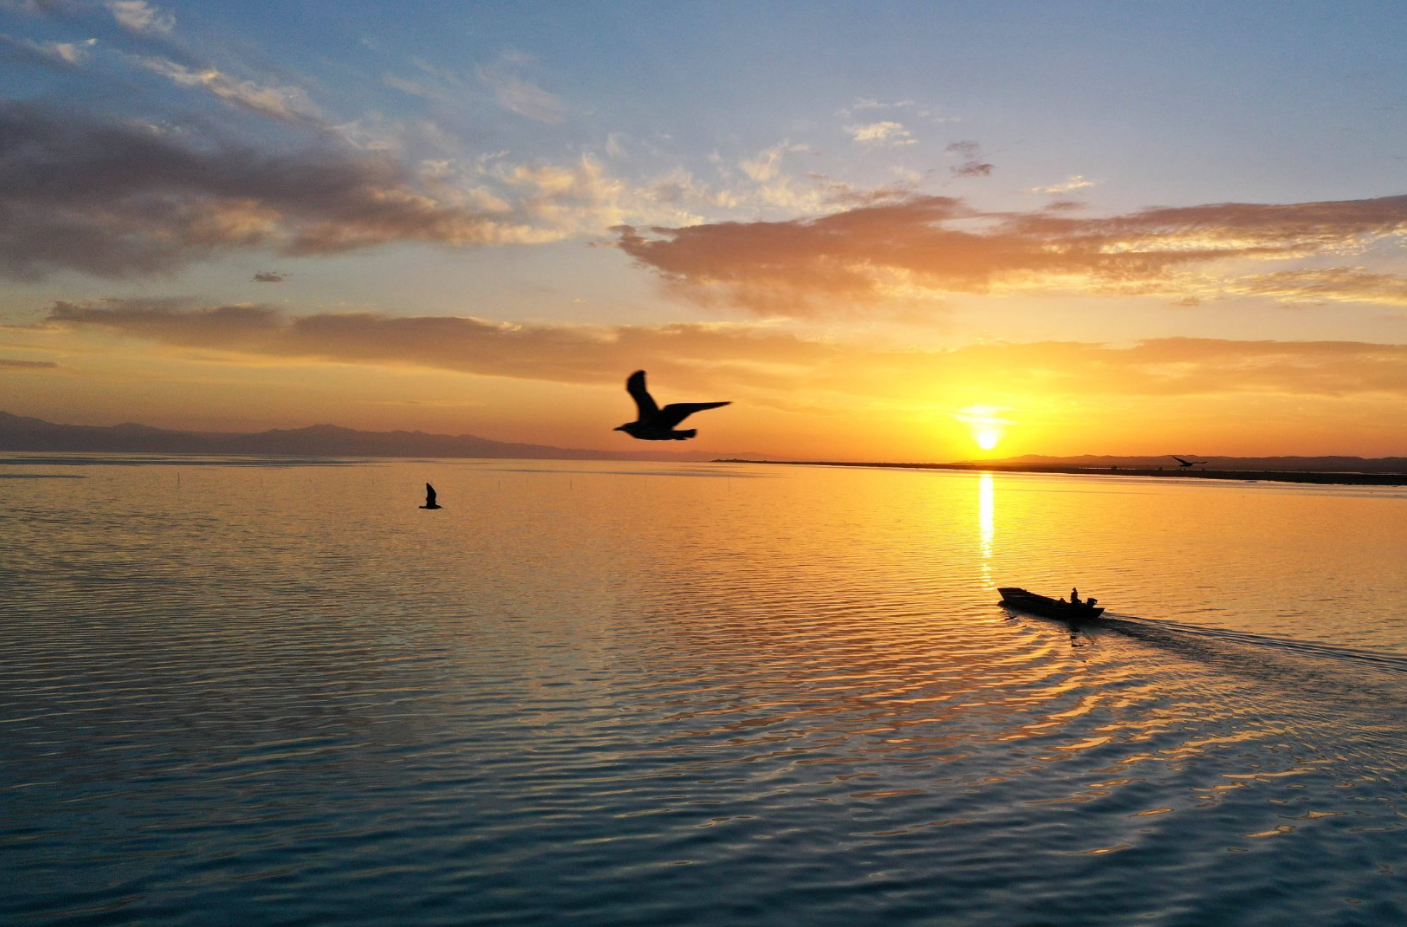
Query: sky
{"points": [[885, 231]]}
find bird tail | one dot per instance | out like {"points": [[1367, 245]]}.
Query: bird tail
{"points": [[687, 433]]}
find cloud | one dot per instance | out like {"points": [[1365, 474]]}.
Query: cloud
{"points": [[557, 353], [118, 201], [27, 365], [521, 96], [1333, 284], [40, 7], [1075, 182], [768, 163], [61, 55], [405, 85], [971, 169], [881, 133], [141, 17], [752, 358], [270, 276], [772, 187], [972, 164], [868, 103], [927, 246], [286, 104]]}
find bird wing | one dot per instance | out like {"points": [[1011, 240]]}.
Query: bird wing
{"points": [[429, 494], [676, 412], [1178, 459], [644, 402]]}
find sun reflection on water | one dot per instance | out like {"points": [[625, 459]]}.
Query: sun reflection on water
{"points": [[986, 512]]}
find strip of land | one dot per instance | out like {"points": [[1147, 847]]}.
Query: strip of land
{"points": [[1181, 473]]}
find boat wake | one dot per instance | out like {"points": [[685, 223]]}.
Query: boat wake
{"points": [[1179, 636]]}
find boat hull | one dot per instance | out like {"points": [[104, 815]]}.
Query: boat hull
{"points": [[1013, 597]]}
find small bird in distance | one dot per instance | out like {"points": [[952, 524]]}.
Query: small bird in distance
{"points": [[655, 424], [1185, 462], [430, 502]]}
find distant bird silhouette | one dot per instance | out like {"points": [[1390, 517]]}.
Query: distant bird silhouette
{"points": [[1186, 463], [655, 424], [430, 502]]}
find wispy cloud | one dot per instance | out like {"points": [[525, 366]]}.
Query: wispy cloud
{"points": [[972, 164], [141, 17], [1075, 182], [40, 7], [556, 353], [881, 133], [270, 276], [1331, 284], [759, 358], [767, 165], [286, 104], [26, 364], [771, 185], [62, 55], [930, 245], [502, 78], [864, 104], [517, 94]]}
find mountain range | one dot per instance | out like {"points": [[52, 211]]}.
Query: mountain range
{"points": [[1329, 464], [18, 433]]}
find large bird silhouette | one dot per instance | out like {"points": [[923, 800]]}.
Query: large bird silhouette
{"points": [[1186, 463], [655, 424], [430, 502]]}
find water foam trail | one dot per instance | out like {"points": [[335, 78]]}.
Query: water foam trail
{"points": [[1349, 705], [1175, 633]]}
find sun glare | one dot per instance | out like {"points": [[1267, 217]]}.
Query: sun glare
{"points": [[987, 428]]}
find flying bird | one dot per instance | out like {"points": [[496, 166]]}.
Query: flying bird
{"points": [[655, 424], [1186, 463], [430, 502]]}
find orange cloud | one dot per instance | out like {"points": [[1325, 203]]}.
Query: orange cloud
{"points": [[928, 245], [1334, 284], [762, 359]]}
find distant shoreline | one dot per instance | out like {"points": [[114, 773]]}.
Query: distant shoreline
{"points": [[1249, 476]]}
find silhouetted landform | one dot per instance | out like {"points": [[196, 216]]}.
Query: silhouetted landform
{"points": [[655, 424], [18, 433], [1335, 464], [1352, 471]]}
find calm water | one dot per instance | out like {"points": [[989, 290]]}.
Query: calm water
{"points": [[628, 694]]}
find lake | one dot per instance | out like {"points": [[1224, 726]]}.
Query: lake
{"points": [[277, 692]]}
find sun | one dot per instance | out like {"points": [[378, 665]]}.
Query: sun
{"points": [[986, 426]]}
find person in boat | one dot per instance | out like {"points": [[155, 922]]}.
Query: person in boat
{"points": [[1075, 597]]}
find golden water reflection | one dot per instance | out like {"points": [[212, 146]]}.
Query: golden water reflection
{"points": [[986, 512]]}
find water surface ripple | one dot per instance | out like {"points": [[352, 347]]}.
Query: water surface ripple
{"points": [[629, 694]]}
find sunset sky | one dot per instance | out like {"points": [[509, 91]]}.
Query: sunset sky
{"points": [[894, 231]]}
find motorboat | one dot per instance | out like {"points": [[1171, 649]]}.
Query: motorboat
{"points": [[1036, 604]]}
